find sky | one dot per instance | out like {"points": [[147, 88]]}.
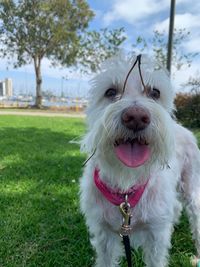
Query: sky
{"points": [[139, 18]]}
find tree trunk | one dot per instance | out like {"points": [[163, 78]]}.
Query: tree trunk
{"points": [[38, 76]]}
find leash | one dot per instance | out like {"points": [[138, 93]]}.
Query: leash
{"points": [[126, 228], [127, 247]]}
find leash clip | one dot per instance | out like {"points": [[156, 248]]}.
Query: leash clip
{"points": [[126, 214]]}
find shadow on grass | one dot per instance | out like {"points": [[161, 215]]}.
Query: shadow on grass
{"points": [[40, 222]]}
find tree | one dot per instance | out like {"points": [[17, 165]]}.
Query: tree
{"points": [[158, 45], [193, 83], [34, 29], [55, 29], [98, 46]]}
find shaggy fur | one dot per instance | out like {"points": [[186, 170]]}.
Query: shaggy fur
{"points": [[173, 169]]}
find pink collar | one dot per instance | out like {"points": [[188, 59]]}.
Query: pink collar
{"points": [[115, 196]]}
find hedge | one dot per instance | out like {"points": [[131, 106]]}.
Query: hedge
{"points": [[188, 109]]}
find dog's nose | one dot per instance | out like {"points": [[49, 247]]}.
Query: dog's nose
{"points": [[135, 118]]}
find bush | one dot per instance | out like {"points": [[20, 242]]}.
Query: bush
{"points": [[188, 109]]}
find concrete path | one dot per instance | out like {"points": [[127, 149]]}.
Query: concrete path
{"points": [[42, 113]]}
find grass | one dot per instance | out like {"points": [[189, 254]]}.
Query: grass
{"points": [[40, 222]]}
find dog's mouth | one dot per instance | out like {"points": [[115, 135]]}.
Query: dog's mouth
{"points": [[132, 152]]}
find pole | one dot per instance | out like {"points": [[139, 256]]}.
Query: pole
{"points": [[170, 38]]}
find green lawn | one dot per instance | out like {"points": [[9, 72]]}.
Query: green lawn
{"points": [[40, 223]]}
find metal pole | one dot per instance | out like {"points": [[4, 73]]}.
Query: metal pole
{"points": [[170, 38]]}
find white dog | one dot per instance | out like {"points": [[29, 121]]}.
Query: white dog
{"points": [[138, 150]]}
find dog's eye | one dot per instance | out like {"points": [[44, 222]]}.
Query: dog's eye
{"points": [[154, 93], [111, 93]]}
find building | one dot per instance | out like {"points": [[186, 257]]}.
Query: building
{"points": [[2, 89], [6, 88], [9, 87]]}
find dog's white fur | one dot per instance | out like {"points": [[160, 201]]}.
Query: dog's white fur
{"points": [[173, 170]]}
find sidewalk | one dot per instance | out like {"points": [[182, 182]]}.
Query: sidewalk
{"points": [[42, 113]]}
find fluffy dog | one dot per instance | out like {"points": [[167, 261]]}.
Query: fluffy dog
{"points": [[136, 143]]}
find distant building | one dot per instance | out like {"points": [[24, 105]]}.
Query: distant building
{"points": [[6, 88], [2, 89]]}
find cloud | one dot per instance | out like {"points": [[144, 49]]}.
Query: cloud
{"points": [[193, 45], [47, 69], [183, 75], [134, 12], [186, 20], [127, 11]]}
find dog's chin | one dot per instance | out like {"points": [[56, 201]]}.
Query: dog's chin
{"points": [[132, 153]]}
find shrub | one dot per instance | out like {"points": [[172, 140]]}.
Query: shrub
{"points": [[188, 109]]}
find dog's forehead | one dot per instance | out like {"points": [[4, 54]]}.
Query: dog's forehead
{"points": [[115, 71], [123, 63]]}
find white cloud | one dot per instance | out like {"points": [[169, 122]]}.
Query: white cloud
{"points": [[193, 45], [47, 69], [183, 75], [189, 21], [136, 11], [132, 11], [186, 20]]}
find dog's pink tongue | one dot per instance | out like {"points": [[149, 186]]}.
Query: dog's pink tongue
{"points": [[132, 155]]}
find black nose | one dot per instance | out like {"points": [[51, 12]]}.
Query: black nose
{"points": [[135, 118]]}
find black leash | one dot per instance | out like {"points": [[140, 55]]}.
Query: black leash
{"points": [[127, 247]]}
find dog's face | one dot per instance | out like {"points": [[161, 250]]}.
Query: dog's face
{"points": [[130, 128]]}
